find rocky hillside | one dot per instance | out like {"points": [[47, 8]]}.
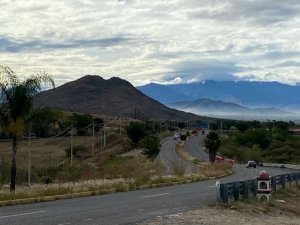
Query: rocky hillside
{"points": [[114, 97]]}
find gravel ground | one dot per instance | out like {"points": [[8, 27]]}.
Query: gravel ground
{"points": [[212, 216]]}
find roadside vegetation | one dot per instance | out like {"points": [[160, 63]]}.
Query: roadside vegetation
{"points": [[260, 141]]}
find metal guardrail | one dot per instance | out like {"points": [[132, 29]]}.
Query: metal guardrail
{"points": [[280, 165], [248, 188]]}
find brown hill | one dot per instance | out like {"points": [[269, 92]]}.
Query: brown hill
{"points": [[114, 97]]}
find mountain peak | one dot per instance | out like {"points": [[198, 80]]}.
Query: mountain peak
{"points": [[115, 97]]}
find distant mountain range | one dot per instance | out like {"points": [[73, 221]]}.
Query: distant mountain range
{"points": [[112, 97], [230, 99], [250, 94], [220, 109]]}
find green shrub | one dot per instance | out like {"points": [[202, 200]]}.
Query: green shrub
{"points": [[75, 149], [151, 145], [45, 179]]}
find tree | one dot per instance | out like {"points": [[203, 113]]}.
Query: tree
{"points": [[242, 125], [98, 124], [16, 102], [43, 120], [79, 121], [151, 145], [136, 131], [212, 143], [181, 125]]}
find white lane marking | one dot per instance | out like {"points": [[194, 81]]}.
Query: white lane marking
{"points": [[88, 219], [149, 196], [22, 214]]}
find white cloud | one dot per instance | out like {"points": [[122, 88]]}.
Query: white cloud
{"points": [[153, 41]]}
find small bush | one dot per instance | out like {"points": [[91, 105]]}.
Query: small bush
{"points": [[183, 137], [45, 179], [75, 149]]}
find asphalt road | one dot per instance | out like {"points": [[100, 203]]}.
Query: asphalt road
{"points": [[124, 208], [194, 148]]}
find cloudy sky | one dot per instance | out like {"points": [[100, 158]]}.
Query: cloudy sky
{"points": [[162, 41]]}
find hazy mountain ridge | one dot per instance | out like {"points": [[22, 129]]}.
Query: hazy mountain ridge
{"points": [[208, 107], [115, 97], [252, 94]]}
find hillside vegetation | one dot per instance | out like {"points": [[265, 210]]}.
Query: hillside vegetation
{"points": [[262, 142]]}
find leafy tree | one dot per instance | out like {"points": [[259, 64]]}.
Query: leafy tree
{"points": [[181, 125], [16, 103], [151, 145], [136, 131], [183, 137], [242, 125], [259, 137], [99, 123], [255, 124], [212, 143], [42, 120], [80, 122], [281, 125], [214, 126]]}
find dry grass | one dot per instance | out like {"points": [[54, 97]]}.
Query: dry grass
{"points": [[206, 168], [38, 190], [44, 152]]}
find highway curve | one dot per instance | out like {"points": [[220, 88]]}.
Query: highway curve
{"points": [[131, 207]]}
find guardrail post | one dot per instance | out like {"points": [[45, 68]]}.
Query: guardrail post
{"points": [[236, 190], [218, 192], [283, 181], [274, 183], [224, 193], [246, 189], [291, 178], [254, 187]]}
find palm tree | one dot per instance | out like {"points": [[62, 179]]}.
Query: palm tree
{"points": [[212, 143], [16, 101]]}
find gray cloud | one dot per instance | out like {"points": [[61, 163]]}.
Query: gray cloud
{"points": [[281, 54], [259, 12], [289, 64], [9, 45], [154, 41], [186, 72]]}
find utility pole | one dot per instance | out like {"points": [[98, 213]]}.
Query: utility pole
{"points": [[221, 128], [50, 158], [71, 149], [93, 150], [29, 159], [2, 169], [104, 137]]}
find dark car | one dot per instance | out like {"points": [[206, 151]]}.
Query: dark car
{"points": [[251, 164]]}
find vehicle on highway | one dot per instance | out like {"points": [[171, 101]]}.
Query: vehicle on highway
{"points": [[176, 136], [251, 164]]}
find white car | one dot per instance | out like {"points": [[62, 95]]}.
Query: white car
{"points": [[176, 135], [251, 164]]}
